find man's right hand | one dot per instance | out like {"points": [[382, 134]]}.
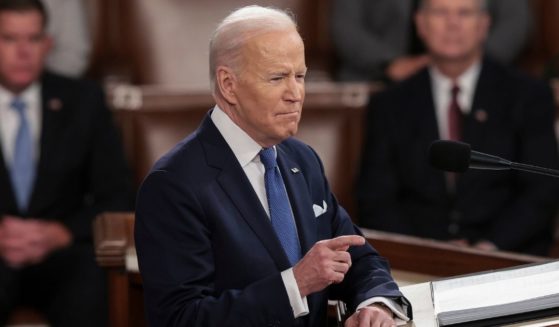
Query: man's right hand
{"points": [[326, 262]]}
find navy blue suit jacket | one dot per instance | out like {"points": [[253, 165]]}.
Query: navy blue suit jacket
{"points": [[511, 116], [208, 254]]}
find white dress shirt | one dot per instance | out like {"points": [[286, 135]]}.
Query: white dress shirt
{"points": [[246, 150], [442, 96], [9, 120]]}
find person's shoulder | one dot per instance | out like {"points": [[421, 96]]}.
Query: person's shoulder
{"points": [[401, 90], [396, 97], [516, 88], [510, 77], [298, 150], [69, 84], [295, 145], [186, 154]]}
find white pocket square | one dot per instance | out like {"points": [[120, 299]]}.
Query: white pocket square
{"points": [[318, 210]]}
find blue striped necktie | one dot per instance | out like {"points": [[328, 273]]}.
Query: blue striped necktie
{"points": [[22, 172], [281, 215]]}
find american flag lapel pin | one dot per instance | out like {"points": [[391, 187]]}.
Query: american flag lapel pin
{"points": [[54, 104]]}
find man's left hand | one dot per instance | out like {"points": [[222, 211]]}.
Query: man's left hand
{"points": [[371, 316]]}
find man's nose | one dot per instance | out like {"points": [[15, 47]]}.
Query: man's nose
{"points": [[23, 49], [295, 89]]}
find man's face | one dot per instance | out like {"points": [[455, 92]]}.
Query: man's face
{"points": [[453, 29], [23, 47], [270, 87]]}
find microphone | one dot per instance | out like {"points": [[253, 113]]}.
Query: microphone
{"points": [[457, 157]]}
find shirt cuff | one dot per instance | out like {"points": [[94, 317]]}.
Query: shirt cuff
{"points": [[399, 313], [299, 304]]}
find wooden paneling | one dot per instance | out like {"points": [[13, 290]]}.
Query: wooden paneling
{"points": [[26, 317], [114, 237], [166, 41], [154, 118], [114, 233], [544, 40], [442, 259]]}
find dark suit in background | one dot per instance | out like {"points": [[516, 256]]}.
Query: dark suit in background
{"points": [[511, 117], [81, 172]]}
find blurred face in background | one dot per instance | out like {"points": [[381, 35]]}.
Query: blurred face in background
{"points": [[23, 48], [453, 30]]}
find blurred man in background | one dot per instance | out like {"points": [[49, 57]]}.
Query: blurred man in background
{"points": [[465, 96], [61, 163]]}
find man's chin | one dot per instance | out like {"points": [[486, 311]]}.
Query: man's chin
{"points": [[291, 132], [454, 56], [21, 84]]}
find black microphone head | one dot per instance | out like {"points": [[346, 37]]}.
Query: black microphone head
{"points": [[450, 156]]}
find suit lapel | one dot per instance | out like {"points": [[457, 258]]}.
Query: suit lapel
{"points": [[8, 204], [483, 105], [425, 122], [232, 179], [423, 101], [301, 203], [53, 112]]}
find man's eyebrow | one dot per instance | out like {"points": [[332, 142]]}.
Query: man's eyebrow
{"points": [[279, 72]]}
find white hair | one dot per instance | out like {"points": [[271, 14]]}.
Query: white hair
{"points": [[234, 31]]}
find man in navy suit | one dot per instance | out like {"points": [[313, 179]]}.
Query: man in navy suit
{"points": [[468, 97], [227, 238], [61, 163]]}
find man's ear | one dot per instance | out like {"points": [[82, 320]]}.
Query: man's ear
{"points": [[485, 25], [226, 82], [48, 43], [419, 21]]}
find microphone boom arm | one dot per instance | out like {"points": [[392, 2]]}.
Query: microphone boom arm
{"points": [[534, 169], [457, 157], [484, 161]]}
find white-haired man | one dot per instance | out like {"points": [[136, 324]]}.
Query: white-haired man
{"points": [[236, 226]]}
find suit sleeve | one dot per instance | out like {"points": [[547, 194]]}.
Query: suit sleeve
{"points": [[174, 243], [369, 275], [378, 183], [534, 205], [106, 175]]}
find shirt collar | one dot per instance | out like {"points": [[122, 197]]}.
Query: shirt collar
{"points": [[466, 82], [243, 146], [30, 95]]}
